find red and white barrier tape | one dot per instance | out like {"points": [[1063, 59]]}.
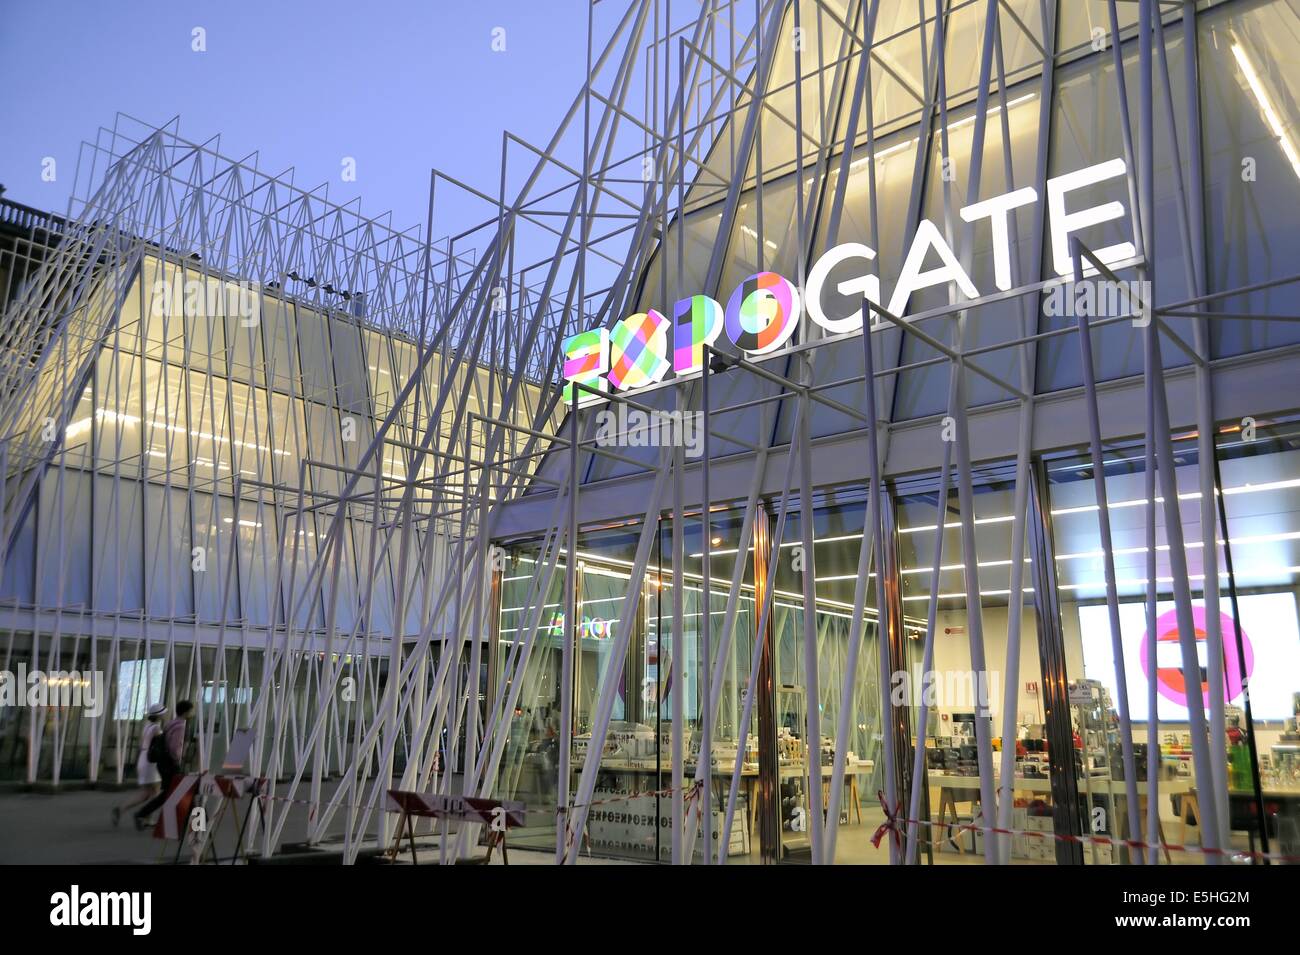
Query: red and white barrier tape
{"points": [[895, 822]]}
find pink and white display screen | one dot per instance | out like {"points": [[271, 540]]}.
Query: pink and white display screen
{"points": [[1270, 640]]}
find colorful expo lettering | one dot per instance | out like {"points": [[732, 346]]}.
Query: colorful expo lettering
{"points": [[764, 309]]}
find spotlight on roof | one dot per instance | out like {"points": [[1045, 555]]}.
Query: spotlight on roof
{"points": [[720, 362]]}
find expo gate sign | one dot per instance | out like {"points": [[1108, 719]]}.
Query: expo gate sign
{"points": [[765, 308]]}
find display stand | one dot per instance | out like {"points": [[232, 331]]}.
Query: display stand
{"points": [[948, 799], [231, 789], [495, 839], [1189, 812], [1098, 729]]}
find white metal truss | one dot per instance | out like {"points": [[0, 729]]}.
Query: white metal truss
{"points": [[382, 580]]}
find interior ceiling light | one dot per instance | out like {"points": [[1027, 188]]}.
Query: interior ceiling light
{"points": [[754, 235], [1056, 512], [956, 124], [1270, 114]]}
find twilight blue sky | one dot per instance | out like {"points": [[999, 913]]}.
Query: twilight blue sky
{"points": [[401, 85]]}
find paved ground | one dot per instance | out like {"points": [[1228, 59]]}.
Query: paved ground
{"points": [[74, 827]]}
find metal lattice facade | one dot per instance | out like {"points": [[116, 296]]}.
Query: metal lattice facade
{"points": [[358, 443]]}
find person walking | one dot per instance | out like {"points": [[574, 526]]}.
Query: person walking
{"points": [[146, 773], [167, 751]]}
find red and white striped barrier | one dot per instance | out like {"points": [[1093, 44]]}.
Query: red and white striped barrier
{"points": [[175, 813], [235, 787], [481, 810], [457, 808]]}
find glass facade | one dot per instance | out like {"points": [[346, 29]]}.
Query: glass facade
{"points": [[198, 472], [968, 681], [954, 588], [940, 703]]}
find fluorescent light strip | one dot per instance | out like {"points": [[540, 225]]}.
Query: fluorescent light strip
{"points": [[948, 567], [754, 235], [1190, 545], [827, 613], [693, 613], [857, 537], [881, 154], [1115, 505], [1185, 496], [962, 595], [1228, 492], [785, 593], [1092, 508], [1266, 106], [953, 525], [542, 629], [956, 124], [1101, 584], [1056, 512], [992, 111], [517, 609], [1093, 554], [1142, 581], [602, 572], [109, 414]]}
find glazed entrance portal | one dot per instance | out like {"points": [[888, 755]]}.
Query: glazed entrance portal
{"points": [[763, 311]]}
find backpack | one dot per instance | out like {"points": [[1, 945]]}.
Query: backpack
{"points": [[157, 752]]}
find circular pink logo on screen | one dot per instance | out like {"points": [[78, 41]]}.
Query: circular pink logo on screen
{"points": [[1172, 681]]}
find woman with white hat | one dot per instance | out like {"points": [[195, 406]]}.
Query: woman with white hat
{"points": [[146, 772]]}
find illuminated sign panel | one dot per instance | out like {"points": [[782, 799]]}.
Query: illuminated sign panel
{"points": [[764, 310], [1269, 656]]}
